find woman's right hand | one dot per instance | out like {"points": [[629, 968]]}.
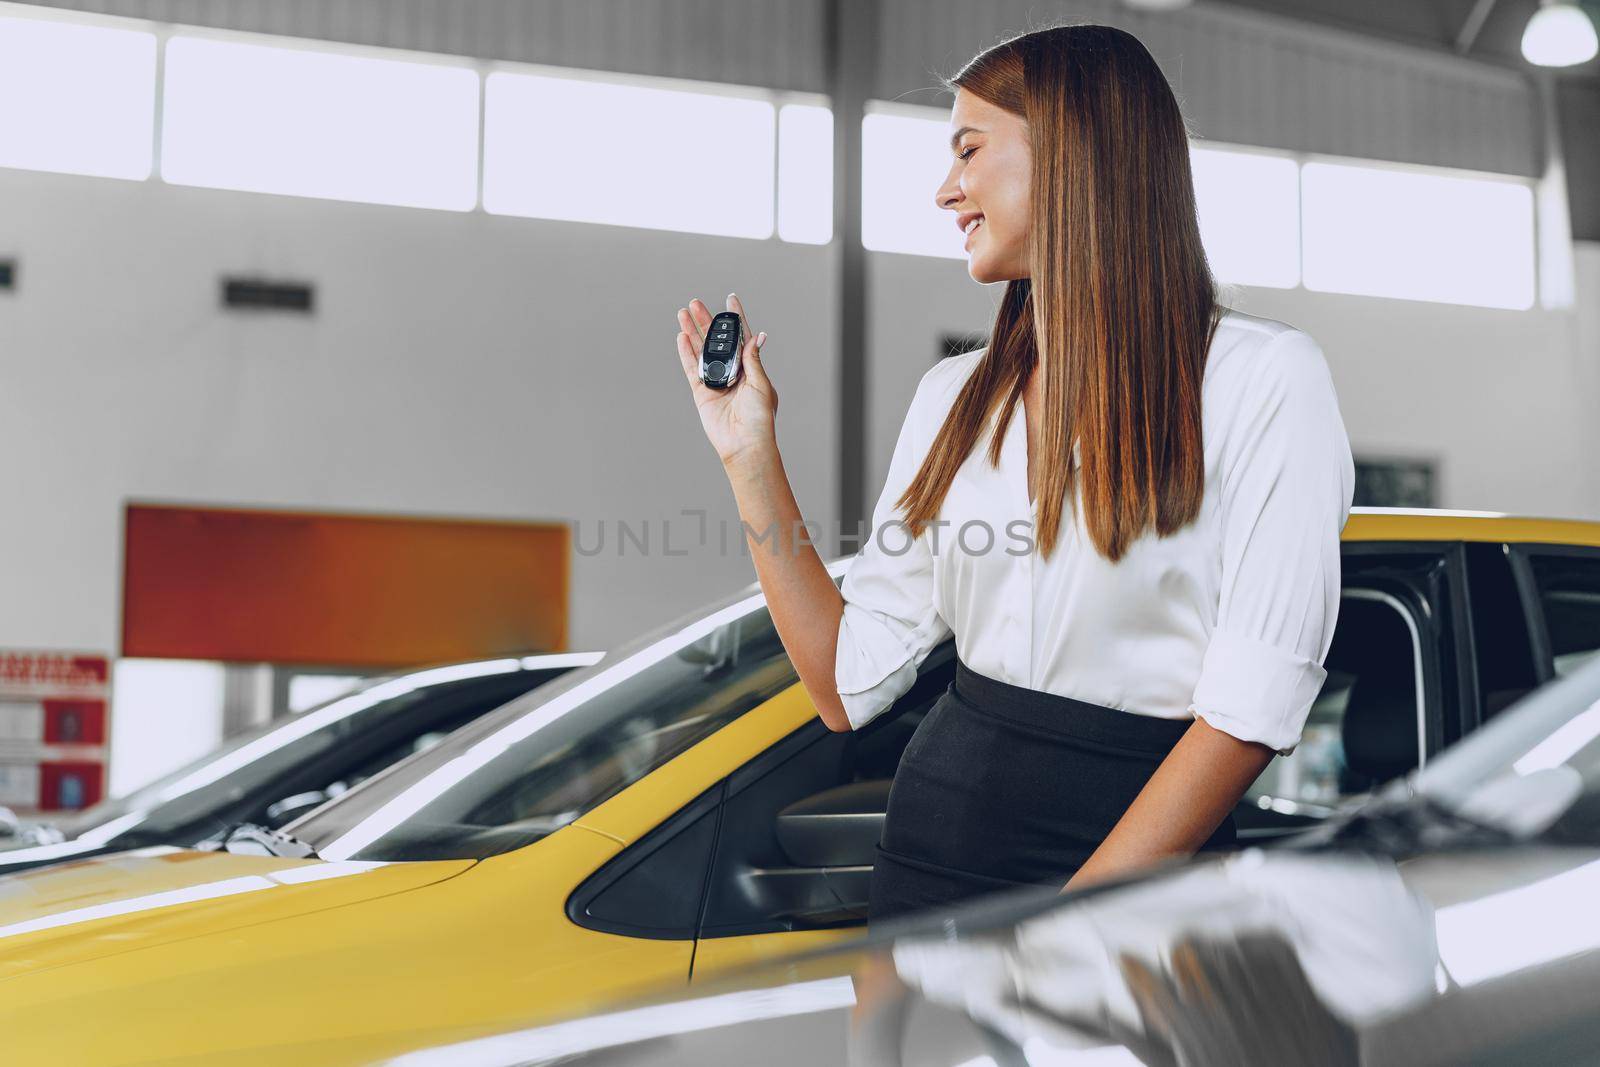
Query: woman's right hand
{"points": [[738, 420]]}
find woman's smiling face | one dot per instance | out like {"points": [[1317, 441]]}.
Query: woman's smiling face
{"points": [[990, 176]]}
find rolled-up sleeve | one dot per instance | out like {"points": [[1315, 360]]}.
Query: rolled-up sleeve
{"points": [[1285, 495], [889, 624]]}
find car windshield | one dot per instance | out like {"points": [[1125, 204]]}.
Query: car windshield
{"points": [[542, 761], [258, 756]]}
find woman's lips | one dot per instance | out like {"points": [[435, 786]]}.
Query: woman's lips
{"points": [[973, 233]]}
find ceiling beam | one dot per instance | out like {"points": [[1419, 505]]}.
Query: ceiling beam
{"points": [[1475, 20]]}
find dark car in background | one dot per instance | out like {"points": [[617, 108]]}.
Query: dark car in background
{"points": [[275, 773]]}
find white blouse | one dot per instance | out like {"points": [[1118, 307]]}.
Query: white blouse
{"points": [[1229, 619]]}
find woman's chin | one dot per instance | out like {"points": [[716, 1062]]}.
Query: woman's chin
{"points": [[982, 272]]}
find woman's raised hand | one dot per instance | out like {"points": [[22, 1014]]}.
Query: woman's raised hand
{"points": [[739, 419]]}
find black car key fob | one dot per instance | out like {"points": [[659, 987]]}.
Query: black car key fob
{"points": [[719, 357]]}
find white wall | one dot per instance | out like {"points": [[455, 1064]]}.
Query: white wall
{"points": [[165, 713], [1508, 402], [440, 375]]}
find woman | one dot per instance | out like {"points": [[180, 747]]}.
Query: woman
{"points": [[1141, 568]]}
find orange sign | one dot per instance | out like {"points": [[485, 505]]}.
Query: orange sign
{"points": [[350, 590]]}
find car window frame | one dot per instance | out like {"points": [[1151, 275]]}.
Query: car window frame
{"points": [[1521, 556], [1437, 727]]}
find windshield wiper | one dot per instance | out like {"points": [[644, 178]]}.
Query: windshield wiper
{"points": [[43, 833], [15, 833], [248, 839]]}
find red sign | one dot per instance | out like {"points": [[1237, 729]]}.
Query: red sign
{"points": [[74, 722], [54, 730], [69, 786], [53, 669]]}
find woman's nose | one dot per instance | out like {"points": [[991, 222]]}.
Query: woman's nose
{"points": [[949, 192], [947, 196]]}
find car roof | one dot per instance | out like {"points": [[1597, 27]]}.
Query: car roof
{"points": [[1428, 524], [1439, 524]]}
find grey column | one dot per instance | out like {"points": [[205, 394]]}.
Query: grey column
{"points": [[852, 29]]}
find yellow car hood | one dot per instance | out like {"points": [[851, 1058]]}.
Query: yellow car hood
{"points": [[126, 901], [165, 957]]}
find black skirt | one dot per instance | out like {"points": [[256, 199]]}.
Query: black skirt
{"points": [[1002, 786]]}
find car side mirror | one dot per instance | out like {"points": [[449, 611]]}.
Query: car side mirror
{"points": [[830, 839], [837, 827]]}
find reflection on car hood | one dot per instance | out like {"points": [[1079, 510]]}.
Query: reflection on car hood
{"points": [[1264, 957], [131, 900]]}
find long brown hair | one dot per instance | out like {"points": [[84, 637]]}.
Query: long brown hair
{"points": [[1120, 305]]}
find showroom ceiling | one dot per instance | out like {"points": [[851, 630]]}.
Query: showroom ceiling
{"points": [[1445, 24]]}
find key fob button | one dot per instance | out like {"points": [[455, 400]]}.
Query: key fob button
{"points": [[715, 369]]}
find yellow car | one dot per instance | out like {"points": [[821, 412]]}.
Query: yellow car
{"points": [[672, 811]]}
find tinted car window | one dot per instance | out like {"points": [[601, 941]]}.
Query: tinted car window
{"points": [[1569, 597], [1363, 726], [796, 843], [1507, 667]]}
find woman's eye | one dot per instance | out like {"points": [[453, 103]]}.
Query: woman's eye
{"points": [[968, 152]]}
